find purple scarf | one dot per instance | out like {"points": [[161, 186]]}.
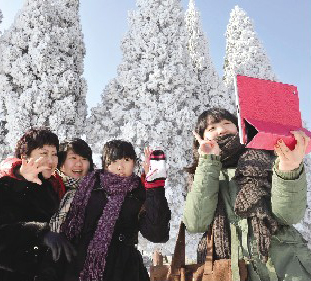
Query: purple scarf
{"points": [[116, 188]]}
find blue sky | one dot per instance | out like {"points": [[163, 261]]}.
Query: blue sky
{"points": [[283, 26]]}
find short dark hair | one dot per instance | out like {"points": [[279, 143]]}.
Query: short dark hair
{"points": [[33, 139], [117, 149], [212, 115], [79, 147]]}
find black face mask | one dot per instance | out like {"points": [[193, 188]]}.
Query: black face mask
{"points": [[230, 149]]}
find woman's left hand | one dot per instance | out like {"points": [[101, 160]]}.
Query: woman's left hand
{"points": [[291, 159]]}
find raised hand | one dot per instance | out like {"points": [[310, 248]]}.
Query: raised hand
{"points": [[31, 168], [207, 146], [146, 163], [291, 159]]}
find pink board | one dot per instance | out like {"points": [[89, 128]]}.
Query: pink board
{"points": [[267, 112]]}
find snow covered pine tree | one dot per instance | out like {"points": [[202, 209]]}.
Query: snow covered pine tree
{"points": [[152, 100], [211, 91], [42, 66], [245, 54]]}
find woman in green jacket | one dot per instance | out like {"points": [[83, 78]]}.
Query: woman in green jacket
{"points": [[250, 200]]}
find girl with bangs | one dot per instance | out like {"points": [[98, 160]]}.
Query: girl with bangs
{"points": [[250, 199]]}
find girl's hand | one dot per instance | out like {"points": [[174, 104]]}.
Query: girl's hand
{"points": [[31, 169], [291, 159], [146, 163], [207, 146]]}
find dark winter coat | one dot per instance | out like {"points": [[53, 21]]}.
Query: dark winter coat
{"points": [[25, 210], [124, 261], [9, 167]]}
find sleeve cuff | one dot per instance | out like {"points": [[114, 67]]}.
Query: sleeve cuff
{"points": [[155, 184], [210, 160], [37, 228], [288, 175], [210, 157]]}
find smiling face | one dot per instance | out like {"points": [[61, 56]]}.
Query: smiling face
{"points": [[122, 167], [221, 128], [49, 158], [75, 166]]}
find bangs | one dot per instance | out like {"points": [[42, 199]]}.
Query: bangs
{"points": [[117, 149], [125, 150], [212, 119], [33, 139], [82, 150], [77, 146], [217, 115]]}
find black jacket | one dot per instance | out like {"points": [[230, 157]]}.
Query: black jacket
{"points": [[124, 261], [25, 210]]}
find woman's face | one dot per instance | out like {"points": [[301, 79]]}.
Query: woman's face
{"points": [[221, 128], [49, 159], [122, 167], [75, 166]]}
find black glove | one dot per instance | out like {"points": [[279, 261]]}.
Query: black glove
{"points": [[58, 242]]}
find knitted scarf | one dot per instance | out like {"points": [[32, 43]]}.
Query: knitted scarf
{"points": [[252, 177], [230, 151], [69, 182], [116, 188]]}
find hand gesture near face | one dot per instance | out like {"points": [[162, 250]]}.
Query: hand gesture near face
{"points": [[291, 159], [207, 146], [31, 168]]}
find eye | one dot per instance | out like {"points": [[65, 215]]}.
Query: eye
{"points": [[211, 129], [43, 153], [127, 159], [54, 154], [84, 159]]}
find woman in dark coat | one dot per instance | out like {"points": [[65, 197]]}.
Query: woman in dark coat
{"points": [[106, 215], [26, 207]]}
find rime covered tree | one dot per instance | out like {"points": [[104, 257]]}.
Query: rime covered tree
{"points": [[2, 108], [245, 54], [151, 101], [106, 118], [42, 66], [211, 91]]}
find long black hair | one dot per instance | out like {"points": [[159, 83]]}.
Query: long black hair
{"points": [[213, 115]]}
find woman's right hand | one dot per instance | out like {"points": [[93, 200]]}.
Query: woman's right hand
{"points": [[31, 169], [57, 242], [207, 146]]}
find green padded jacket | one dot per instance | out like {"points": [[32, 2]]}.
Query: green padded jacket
{"points": [[289, 257]]}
